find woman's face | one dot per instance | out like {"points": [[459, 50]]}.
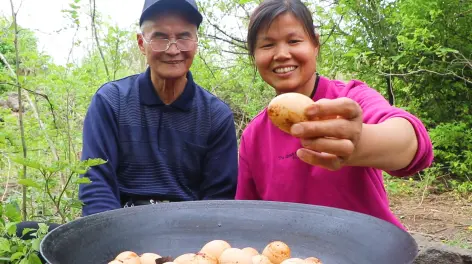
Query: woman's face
{"points": [[285, 56]]}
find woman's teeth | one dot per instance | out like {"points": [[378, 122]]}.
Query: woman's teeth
{"points": [[285, 69]]}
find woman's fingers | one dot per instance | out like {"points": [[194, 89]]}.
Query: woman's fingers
{"points": [[338, 147], [324, 160], [336, 128], [343, 107]]}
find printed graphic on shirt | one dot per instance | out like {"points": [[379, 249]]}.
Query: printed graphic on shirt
{"points": [[292, 156]]}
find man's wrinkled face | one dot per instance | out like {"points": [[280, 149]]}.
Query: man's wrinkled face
{"points": [[173, 63]]}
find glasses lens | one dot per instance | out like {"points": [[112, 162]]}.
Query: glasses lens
{"points": [[159, 44], [185, 44]]}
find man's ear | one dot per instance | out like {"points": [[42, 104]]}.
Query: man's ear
{"points": [[139, 39]]}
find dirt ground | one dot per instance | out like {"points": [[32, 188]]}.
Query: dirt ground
{"points": [[444, 217]]}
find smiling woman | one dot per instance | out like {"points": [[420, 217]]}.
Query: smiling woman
{"points": [[335, 154], [284, 47]]}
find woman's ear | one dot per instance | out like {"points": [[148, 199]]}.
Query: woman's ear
{"points": [[317, 36]]}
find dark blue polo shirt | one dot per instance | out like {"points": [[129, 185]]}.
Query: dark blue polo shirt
{"points": [[179, 152]]}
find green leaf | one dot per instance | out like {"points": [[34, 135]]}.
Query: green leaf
{"points": [[29, 183], [11, 229], [4, 245], [27, 230], [24, 261], [35, 244], [94, 162], [57, 166], [75, 203], [34, 259], [12, 212], [83, 180], [16, 255], [27, 162]]}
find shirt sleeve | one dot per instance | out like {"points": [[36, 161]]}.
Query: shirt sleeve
{"points": [[100, 140], [221, 162], [376, 109], [246, 187]]}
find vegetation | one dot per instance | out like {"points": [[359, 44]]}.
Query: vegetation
{"points": [[417, 53]]}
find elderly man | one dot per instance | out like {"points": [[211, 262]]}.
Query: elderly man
{"points": [[163, 136]]}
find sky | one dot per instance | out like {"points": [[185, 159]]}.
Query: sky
{"points": [[44, 17]]}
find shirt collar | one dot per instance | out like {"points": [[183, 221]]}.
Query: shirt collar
{"points": [[149, 96], [321, 89]]}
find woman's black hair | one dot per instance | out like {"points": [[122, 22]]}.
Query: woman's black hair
{"points": [[268, 10]]}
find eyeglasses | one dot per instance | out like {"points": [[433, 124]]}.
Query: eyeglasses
{"points": [[160, 45]]}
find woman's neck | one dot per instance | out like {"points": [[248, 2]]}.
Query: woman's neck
{"points": [[306, 88]]}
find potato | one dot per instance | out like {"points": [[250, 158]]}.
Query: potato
{"points": [[288, 109]]}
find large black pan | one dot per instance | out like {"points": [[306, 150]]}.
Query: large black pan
{"points": [[171, 229]]}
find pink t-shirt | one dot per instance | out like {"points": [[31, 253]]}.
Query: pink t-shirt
{"points": [[269, 168]]}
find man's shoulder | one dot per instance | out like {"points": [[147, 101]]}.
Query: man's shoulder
{"points": [[112, 90]]}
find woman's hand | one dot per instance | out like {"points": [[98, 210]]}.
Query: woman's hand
{"points": [[331, 138]]}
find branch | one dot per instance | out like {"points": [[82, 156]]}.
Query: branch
{"points": [[20, 116], [51, 107], [94, 32], [226, 34], [234, 52], [227, 41], [332, 30], [424, 70], [8, 179]]}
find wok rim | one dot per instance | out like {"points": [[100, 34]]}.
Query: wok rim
{"points": [[308, 209]]}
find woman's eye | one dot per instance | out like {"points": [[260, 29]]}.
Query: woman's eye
{"points": [[266, 45], [293, 41]]}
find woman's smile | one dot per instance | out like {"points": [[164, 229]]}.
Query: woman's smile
{"points": [[281, 70]]}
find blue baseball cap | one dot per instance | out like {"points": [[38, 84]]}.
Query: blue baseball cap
{"points": [[189, 7]]}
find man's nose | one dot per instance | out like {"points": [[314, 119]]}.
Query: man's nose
{"points": [[173, 50]]}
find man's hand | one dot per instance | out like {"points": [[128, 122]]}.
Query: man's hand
{"points": [[330, 137]]}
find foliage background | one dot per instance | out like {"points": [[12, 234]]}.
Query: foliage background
{"points": [[417, 53]]}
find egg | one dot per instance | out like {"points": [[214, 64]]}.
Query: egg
{"points": [[149, 258], [185, 258], [293, 261], [277, 252], [260, 259], [204, 258], [251, 251], [313, 260], [288, 109], [215, 247], [235, 256], [132, 260], [128, 257]]}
